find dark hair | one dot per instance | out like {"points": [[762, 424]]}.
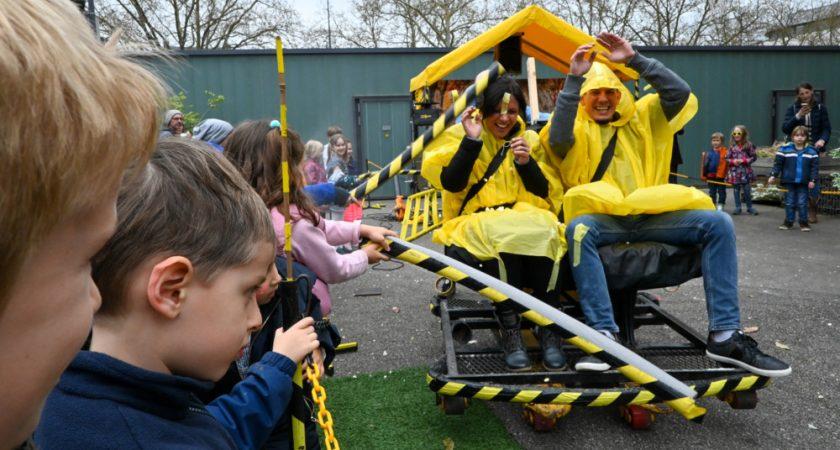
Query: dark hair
{"points": [[187, 201], [489, 102], [254, 148]]}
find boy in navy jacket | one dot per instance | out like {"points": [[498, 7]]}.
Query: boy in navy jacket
{"points": [[799, 166], [179, 304]]}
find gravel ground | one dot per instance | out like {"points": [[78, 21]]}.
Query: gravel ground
{"points": [[789, 290]]}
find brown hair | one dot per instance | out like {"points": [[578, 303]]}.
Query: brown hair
{"points": [[75, 115], [801, 129], [333, 141], [254, 149], [335, 129], [188, 201]]}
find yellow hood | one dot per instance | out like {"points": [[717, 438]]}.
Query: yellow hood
{"points": [[600, 76]]}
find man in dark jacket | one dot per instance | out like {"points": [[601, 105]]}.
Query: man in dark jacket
{"points": [[806, 111]]}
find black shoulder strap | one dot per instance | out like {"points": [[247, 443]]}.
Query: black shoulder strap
{"points": [[495, 163], [606, 159]]}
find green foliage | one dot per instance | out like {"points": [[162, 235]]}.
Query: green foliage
{"points": [[396, 410], [835, 180], [192, 117]]}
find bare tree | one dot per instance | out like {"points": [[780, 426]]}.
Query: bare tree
{"points": [[443, 23], [181, 24], [369, 24]]}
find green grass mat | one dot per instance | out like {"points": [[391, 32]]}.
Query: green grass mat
{"points": [[397, 411]]}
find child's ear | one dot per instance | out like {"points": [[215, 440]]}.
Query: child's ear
{"points": [[167, 289]]}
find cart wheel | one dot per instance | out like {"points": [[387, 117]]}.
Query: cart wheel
{"points": [[741, 399], [636, 416], [445, 287], [538, 422], [452, 406]]}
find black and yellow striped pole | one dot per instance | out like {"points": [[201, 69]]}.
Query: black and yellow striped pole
{"points": [[637, 369], [416, 148], [292, 311]]}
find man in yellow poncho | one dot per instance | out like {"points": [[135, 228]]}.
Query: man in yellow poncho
{"points": [[497, 216], [599, 133]]}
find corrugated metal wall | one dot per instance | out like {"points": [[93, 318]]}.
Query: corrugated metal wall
{"points": [[734, 85]]}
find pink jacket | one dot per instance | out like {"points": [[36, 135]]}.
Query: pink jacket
{"points": [[312, 246]]}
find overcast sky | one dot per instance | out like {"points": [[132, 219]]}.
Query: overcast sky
{"points": [[312, 10]]}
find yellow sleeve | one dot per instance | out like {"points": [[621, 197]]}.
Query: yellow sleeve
{"points": [[439, 152]]}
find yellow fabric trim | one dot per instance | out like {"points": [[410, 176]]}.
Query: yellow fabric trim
{"points": [[580, 233]]}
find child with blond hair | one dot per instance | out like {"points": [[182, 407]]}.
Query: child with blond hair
{"points": [[64, 147]]}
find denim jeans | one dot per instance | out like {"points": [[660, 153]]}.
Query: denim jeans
{"points": [[712, 229], [717, 192], [796, 200], [737, 189]]}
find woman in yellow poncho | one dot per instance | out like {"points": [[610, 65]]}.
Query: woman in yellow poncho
{"points": [[504, 225], [632, 202]]}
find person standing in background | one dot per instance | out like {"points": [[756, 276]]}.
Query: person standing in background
{"points": [[807, 112]]}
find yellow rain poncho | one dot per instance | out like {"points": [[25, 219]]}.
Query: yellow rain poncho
{"points": [[636, 179], [529, 228]]}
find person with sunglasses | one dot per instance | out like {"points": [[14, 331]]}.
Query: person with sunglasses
{"points": [[740, 174]]}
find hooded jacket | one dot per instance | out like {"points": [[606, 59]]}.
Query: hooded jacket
{"points": [[796, 166], [645, 129], [504, 216]]}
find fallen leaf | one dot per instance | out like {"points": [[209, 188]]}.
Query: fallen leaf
{"points": [[782, 345], [750, 329], [812, 426], [395, 309], [448, 444]]}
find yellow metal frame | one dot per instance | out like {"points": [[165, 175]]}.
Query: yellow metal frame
{"points": [[423, 213]]}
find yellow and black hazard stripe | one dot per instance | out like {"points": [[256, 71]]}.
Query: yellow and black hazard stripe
{"points": [[679, 401], [407, 172], [416, 148], [581, 397]]}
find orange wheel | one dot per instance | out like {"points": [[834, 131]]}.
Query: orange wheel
{"points": [[637, 417]]}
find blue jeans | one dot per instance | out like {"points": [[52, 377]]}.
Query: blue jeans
{"points": [[796, 200], [747, 190], [712, 229], [718, 192]]}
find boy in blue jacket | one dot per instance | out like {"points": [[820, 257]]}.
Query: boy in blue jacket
{"points": [[179, 305], [799, 166]]}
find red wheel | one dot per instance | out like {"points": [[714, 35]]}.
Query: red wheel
{"points": [[637, 417]]}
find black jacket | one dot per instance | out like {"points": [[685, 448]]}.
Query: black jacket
{"points": [[820, 126]]}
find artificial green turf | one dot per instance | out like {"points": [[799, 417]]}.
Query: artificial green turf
{"points": [[397, 411]]}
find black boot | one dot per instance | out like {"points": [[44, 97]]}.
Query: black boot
{"points": [[552, 354], [516, 358]]}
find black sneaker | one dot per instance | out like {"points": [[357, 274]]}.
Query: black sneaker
{"points": [[742, 351], [553, 357], [752, 212], [590, 363], [804, 226], [786, 226]]}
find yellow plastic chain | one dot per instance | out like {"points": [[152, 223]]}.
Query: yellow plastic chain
{"points": [[319, 395]]}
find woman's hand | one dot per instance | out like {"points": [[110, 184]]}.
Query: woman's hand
{"points": [[376, 235], [771, 180], [620, 51], [811, 185], [521, 150], [819, 144], [580, 63], [472, 125]]}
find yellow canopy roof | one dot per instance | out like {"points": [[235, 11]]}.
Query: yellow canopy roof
{"points": [[546, 37]]}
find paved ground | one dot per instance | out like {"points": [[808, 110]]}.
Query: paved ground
{"points": [[789, 289]]}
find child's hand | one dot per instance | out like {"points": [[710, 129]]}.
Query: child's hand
{"points": [[811, 185], [771, 180], [377, 235], [373, 254], [298, 342]]}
